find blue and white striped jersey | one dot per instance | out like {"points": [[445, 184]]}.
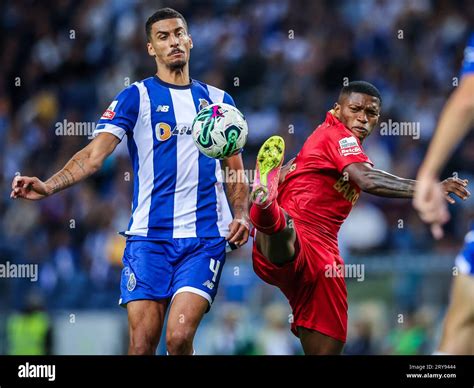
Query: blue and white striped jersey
{"points": [[465, 258], [177, 191]]}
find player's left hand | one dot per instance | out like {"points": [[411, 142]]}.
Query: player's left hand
{"points": [[239, 231], [455, 186]]}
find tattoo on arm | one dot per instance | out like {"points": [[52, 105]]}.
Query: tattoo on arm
{"points": [[75, 170], [79, 163], [62, 179], [387, 185], [237, 197], [238, 193]]}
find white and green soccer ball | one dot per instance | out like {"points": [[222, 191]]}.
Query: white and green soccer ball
{"points": [[219, 131]]}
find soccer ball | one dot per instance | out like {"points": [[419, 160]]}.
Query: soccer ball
{"points": [[219, 131]]}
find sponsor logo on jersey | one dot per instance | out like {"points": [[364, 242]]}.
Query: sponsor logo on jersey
{"points": [[349, 146], [163, 131], [351, 151], [348, 191], [109, 114]]}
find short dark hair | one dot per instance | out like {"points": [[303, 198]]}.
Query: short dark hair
{"points": [[361, 87], [162, 14]]}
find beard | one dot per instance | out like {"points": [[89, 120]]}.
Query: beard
{"points": [[177, 65]]}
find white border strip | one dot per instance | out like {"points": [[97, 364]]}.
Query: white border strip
{"points": [[143, 137], [193, 290], [110, 128], [187, 168]]}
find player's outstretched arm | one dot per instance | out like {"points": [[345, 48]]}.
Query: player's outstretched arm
{"points": [[83, 164], [238, 194], [455, 120], [383, 184]]}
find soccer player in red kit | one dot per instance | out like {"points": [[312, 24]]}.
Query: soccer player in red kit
{"points": [[297, 212]]}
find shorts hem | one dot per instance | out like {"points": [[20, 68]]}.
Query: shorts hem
{"points": [[123, 301], [193, 290]]}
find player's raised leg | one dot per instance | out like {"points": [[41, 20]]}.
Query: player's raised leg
{"points": [[145, 322], [186, 312], [276, 238]]}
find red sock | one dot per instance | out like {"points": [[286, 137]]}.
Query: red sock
{"points": [[270, 220]]}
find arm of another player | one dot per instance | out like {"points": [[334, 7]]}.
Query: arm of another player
{"points": [[238, 194], [383, 184], [83, 164], [456, 119]]}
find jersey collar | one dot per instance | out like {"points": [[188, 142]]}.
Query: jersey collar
{"points": [[173, 86]]}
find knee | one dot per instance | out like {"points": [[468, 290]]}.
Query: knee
{"points": [[180, 341], [142, 344]]}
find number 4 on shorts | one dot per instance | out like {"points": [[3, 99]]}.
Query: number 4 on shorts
{"points": [[214, 267]]}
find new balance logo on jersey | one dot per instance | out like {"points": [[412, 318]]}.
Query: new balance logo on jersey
{"points": [[208, 284], [163, 108]]}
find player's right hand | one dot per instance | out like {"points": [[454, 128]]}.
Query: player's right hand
{"points": [[28, 187], [430, 202]]}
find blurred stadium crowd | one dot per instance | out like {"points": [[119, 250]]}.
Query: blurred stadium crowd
{"points": [[283, 62]]}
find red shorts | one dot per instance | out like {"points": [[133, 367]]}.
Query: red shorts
{"points": [[317, 295]]}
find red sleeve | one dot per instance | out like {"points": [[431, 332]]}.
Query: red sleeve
{"points": [[343, 149]]}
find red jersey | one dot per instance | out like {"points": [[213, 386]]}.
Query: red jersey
{"points": [[315, 193]]}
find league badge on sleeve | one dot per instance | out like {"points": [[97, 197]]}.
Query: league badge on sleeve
{"points": [[109, 114], [349, 146]]}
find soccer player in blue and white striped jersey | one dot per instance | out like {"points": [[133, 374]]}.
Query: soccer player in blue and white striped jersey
{"points": [[454, 123], [181, 219]]}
